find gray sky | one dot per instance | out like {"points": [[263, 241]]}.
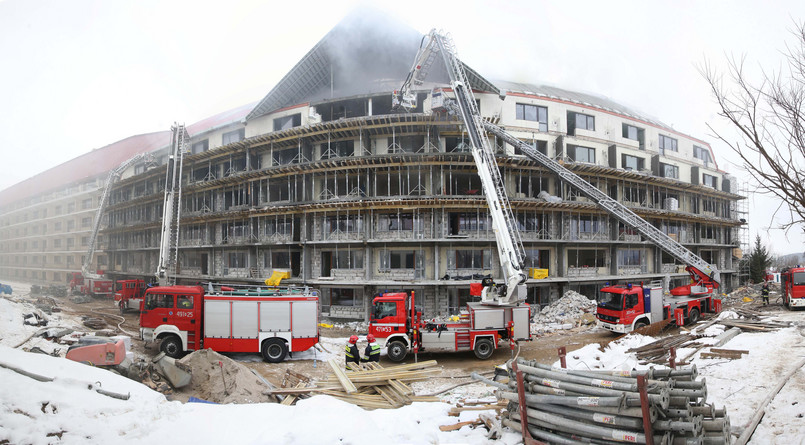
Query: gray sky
{"points": [[80, 75]]}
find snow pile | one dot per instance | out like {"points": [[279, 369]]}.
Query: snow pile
{"points": [[572, 310], [14, 331], [67, 411]]}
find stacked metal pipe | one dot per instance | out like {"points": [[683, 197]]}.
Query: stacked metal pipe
{"points": [[573, 407]]}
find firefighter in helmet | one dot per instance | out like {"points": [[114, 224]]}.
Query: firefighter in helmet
{"points": [[372, 352], [351, 353], [765, 292]]}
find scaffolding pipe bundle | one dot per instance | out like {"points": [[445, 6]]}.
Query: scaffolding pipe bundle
{"points": [[655, 406]]}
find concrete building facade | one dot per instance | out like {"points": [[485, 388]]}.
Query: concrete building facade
{"points": [[321, 178]]}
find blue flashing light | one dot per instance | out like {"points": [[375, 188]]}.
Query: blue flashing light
{"points": [[629, 286]]}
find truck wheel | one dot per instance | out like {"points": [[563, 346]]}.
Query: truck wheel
{"points": [[397, 351], [483, 348], [171, 346], [640, 324], [693, 316], [274, 350]]}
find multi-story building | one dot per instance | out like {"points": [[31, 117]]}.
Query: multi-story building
{"points": [[322, 179]]}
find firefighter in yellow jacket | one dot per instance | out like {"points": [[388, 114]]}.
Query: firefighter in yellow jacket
{"points": [[372, 352], [351, 354]]}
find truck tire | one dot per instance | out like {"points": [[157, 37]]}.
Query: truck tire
{"points": [[397, 351], [171, 346], [274, 350], [693, 316], [640, 324], [483, 348]]}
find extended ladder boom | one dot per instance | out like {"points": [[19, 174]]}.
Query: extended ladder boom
{"points": [[171, 209], [110, 179], [613, 207], [509, 243]]}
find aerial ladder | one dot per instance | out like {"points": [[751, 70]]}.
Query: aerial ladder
{"points": [[510, 248], [113, 176], [171, 208], [507, 235]]}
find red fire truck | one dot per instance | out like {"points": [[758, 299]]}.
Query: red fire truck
{"points": [[792, 280], [272, 321], [93, 286], [398, 325], [129, 294], [624, 308]]}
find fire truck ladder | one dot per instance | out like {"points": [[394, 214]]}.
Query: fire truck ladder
{"points": [[613, 207], [172, 208], [507, 235], [113, 176]]}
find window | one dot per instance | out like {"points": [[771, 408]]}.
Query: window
{"points": [[70, 225], [581, 154], [384, 309], [57, 242], [701, 153], [630, 257], [86, 222], [343, 297], [233, 136], [634, 133], [400, 259], [184, 302], [85, 241], [709, 180], [344, 224], [667, 143], [200, 146], [86, 204], [588, 224], [70, 207], [286, 122], [585, 122], [58, 210], [468, 222], [529, 222], [347, 259], [533, 113], [632, 162], [155, 301], [400, 221], [236, 260], [634, 194], [669, 171], [537, 258], [586, 258], [471, 259]]}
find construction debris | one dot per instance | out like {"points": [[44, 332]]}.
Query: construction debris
{"points": [[573, 309], [219, 379], [371, 387], [563, 406]]}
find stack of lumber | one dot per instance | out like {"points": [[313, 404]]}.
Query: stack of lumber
{"points": [[748, 325], [658, 352], [372, 386]]}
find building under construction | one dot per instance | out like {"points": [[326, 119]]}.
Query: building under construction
{"points": [[322, 179]]}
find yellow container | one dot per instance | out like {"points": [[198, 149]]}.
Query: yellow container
{"points": [[537, 274]]}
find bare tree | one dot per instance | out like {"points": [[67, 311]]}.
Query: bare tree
{"points": [[770, 118]]}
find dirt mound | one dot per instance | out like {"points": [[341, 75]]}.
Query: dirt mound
{"points": [[219, 379]]}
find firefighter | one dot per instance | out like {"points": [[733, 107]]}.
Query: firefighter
{"points": [[372, 353], [765, 292], [351, 352]]}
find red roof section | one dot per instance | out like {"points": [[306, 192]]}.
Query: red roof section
{"points": [[102, 160], [84, 167]]}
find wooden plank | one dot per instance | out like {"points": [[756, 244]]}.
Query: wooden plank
{"points": [[292, 398], [728, 351], [459, 425], [348, 386]]}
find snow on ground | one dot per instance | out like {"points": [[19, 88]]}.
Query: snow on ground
{"points": [[68, 410], [740, 385]]}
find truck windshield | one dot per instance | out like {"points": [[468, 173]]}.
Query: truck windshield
{"points": [[609, 300], [799, 278]]}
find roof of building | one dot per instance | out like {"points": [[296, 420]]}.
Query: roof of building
{"points": [[84, 167], [367, 52], [100, 161]]}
